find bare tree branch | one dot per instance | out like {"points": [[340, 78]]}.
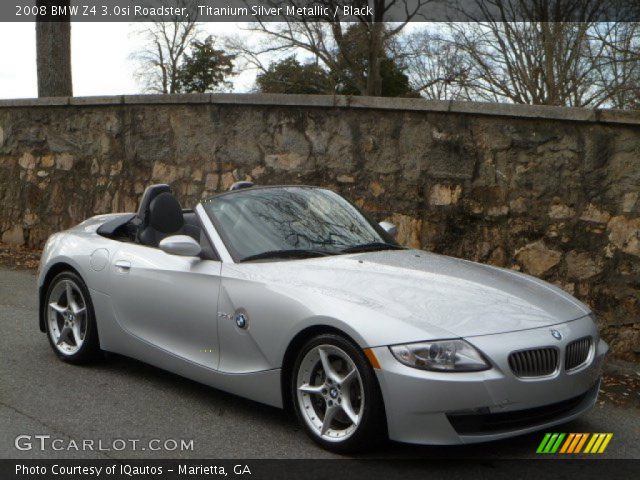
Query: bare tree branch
{"points": [[514, 56], [167, 42], [324, 37]]}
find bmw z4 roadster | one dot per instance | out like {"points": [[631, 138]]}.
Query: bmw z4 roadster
{"points": [[290, 296]]}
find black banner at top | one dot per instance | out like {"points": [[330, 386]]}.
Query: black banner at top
{"points": [[319, 10]]}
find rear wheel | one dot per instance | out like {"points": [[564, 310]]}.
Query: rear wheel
{"points": [[70, 319], [336, 395]]}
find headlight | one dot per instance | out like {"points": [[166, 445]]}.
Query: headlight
{"points": [[441, 356]]}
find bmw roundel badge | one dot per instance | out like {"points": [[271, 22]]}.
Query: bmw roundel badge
{"points": [[241, 320]]}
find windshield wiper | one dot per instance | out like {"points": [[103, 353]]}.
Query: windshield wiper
{"points": [[370, 247], [293, 253]]}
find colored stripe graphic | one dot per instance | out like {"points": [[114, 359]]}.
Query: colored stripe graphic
{"points": [[550, 443], [543, 443], [591, 442], [574, 443], [567, 443], [556, 445], [598, 443], [582, 441], [547, 448], [579, 440], [605, 442]]}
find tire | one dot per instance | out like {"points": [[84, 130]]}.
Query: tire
{"points": [[350, 392], [71, 325]]}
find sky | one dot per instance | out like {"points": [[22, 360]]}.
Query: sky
{"points": [[101, 56]]}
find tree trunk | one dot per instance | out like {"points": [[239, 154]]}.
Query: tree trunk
{"points": [[53, 44], [549, 40], [374, 80]]}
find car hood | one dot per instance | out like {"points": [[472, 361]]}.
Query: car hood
{"points": [[432, 291]]}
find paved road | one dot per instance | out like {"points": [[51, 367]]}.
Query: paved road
{"points": [[126, 399]]}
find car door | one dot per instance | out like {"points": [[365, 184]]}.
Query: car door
{"points": [[168, 300]]}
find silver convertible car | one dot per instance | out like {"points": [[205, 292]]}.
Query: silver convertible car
{"points": [[290, 296]]}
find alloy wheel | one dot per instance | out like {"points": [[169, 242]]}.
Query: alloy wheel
{"points": [[67, 316], [330, 393]]}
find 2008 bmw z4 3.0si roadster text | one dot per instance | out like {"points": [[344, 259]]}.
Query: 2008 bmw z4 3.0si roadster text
{"points": [[291, 297]]}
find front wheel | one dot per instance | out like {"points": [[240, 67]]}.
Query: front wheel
{"points": [[70, 320], [336, 395]]}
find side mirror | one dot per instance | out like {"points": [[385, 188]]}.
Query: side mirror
{"points": [[390, 228], [182, 245]]}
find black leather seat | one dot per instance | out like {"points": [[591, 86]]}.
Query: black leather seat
{"points": [[151, 192], [162, 219]]}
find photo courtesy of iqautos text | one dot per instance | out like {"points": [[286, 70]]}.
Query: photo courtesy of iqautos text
{"points": [[319, 238]]}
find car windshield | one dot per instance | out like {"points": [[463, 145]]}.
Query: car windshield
{"points": [[292, 222]]}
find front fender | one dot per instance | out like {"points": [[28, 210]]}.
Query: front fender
{"points": [[69, 251]]}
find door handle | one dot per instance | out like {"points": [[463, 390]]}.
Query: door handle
{"points": [[123, 266]]}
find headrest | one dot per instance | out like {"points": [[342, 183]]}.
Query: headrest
{"points": [[151, 192], [165, 213]]}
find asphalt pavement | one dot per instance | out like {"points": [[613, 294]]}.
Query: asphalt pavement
{"points": [[121, 403]]}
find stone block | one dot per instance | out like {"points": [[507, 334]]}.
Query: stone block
{"points": [[537, 258]]}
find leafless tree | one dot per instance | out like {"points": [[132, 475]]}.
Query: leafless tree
{"points": [[511, 55], [619, 69], [166, 43], [53, 46], [325, 38], [436, 67]]}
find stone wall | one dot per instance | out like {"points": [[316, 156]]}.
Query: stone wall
{"points": [[549, 191]]}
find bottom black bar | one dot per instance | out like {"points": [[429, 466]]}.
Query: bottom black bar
{"points": [[315, 469]]}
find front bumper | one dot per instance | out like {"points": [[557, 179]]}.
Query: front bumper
{"points": [[466, 407]]}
